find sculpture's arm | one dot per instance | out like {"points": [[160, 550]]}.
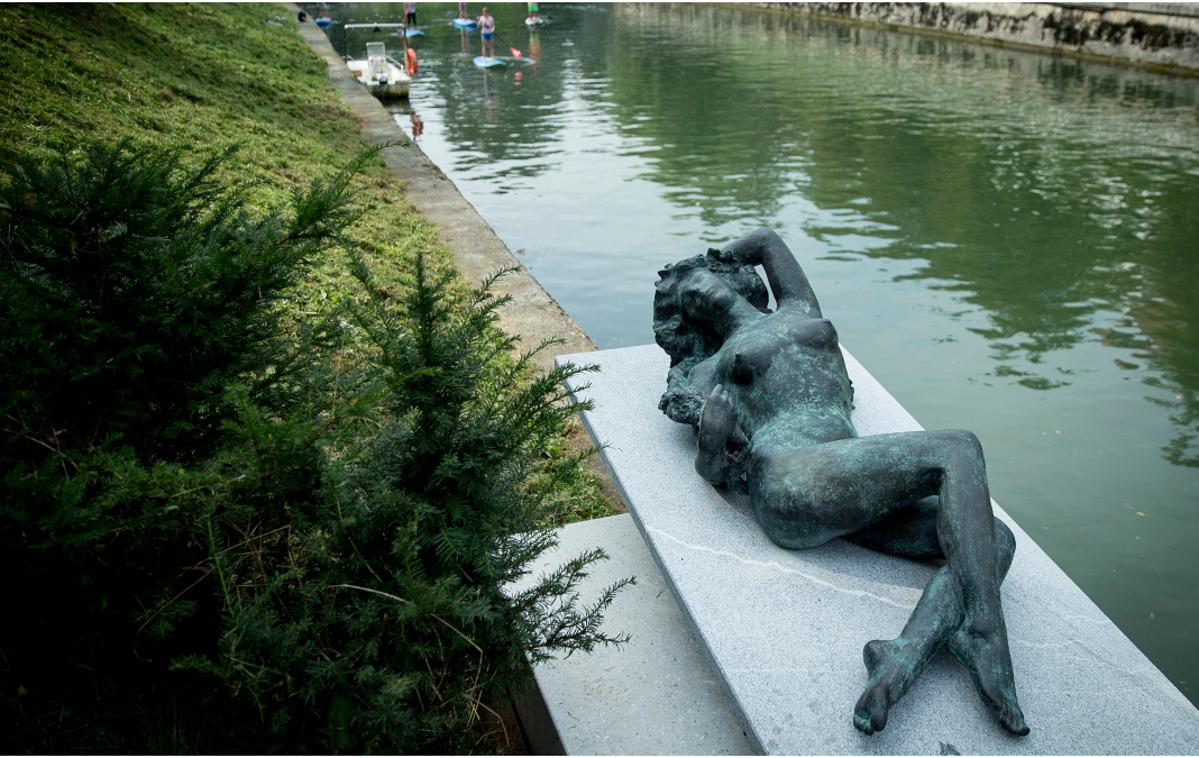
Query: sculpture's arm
{"points": [[787, 280], [721, 444], [681, 401], [687, 387]]}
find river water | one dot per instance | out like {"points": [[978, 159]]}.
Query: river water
{"points": [[1008, 241]]}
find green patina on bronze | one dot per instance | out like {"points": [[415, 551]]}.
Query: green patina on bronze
{"points": [[771, 400]]}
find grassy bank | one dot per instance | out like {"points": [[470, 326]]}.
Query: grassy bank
{"points": [[201, 77], [321, 569], [208, 77]]}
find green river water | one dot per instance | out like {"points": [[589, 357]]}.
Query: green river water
{"points": [[1008, 241]]}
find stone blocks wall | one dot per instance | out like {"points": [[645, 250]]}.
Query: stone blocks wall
{"points": [[1159, 34]]}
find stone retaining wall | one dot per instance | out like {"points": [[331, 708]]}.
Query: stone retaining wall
{"points": [[1159, 35]]}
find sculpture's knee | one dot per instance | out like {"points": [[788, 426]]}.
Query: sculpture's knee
{"points": [[1005, 547], [962, 442], [960, 454]]}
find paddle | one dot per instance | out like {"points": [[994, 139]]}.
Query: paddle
{"points": [[515, 53]]}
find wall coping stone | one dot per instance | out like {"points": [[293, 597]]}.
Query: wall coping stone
{"points": [[655, 695], [785, 629]]}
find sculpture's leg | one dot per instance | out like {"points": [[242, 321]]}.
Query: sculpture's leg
{"points": [[989, 662], [894, 665], [980, 642], [804, 497]]}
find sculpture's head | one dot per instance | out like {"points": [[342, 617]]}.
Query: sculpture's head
{"points": [[682, 338]]}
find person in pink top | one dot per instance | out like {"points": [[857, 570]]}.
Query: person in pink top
{"points": [[487, 33]]}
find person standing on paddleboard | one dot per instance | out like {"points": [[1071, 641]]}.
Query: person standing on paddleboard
{"points": [[410, 14], [487, 33], [532, 19], [462, 14]]}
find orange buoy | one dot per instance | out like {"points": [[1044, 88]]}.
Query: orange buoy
{"points": [[410, 60]]}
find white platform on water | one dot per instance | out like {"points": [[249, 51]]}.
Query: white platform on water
{"points": [[784, 630]]}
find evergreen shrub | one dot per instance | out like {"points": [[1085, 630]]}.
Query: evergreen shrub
{"points": [[229, 530]]}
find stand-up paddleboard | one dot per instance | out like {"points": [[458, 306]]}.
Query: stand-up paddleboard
{"points": [[538, 21], [414, 33], [482, 62], [465, 23]]}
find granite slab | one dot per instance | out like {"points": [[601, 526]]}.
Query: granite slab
{"points": [[658, 694], [785, 629]]}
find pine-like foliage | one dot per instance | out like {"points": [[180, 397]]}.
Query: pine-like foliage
{"points": [[228, 541], [396, 620], [133, 289], [136, 295]]}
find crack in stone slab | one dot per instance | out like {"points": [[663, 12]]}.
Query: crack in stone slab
{"points": [[1088, 619], [776, 566]]}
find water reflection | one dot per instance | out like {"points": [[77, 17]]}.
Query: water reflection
{"points": [[1052, 194], [1007, 240]]}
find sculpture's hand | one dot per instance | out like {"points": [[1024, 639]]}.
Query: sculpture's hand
{"points": [[721, 255], [681, 402], [721, 442], [733, 254], [746, 251]]}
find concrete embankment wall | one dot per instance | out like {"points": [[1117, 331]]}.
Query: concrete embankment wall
{"points": [[533, 315], [1158, 35]]}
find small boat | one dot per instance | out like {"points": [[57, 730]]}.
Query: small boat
{"points": [[382, 75], [323, 21], [466, 23]]}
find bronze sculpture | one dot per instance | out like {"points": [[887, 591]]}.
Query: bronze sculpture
{"points": [[771, 399]]}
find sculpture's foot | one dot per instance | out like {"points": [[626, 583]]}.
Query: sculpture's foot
{"points": [[889, 671], [985, 655]]}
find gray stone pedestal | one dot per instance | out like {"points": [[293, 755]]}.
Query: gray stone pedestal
{"points": [[785, 629], [656, 695]]}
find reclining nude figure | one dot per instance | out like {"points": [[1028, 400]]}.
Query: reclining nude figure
{"points": [[771, 398]]}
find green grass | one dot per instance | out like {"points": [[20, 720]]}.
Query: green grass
{"points": [[206, 77]]}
